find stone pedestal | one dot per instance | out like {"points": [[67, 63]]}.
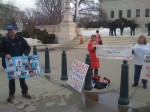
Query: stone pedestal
{"points": [[67, 26]]}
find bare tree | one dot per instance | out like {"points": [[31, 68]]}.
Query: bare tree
{"points": [[29, 23], [89, 11], [50, 11]]}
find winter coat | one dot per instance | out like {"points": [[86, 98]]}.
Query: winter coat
{"points": [[98, 37], [148, 27], [92, 53], [15, 47], [133, 25]]}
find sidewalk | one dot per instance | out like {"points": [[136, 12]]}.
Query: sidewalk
{"points": [[54, 95]]}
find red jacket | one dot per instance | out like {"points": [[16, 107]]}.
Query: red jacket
{"points": [[92, 53]]}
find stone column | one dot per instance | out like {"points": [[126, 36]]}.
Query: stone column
{"points": [[67, 26], [77, 11]]}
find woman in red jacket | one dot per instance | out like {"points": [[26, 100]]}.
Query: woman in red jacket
{"points": [[92, 51]]}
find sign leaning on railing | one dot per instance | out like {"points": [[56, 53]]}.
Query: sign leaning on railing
{"points": [[145, 72], [114, 51], [23, 67], [77, 75]]}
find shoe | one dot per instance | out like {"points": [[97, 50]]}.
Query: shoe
{"points": [[10, 98], [95, 77], [145, 86], [135, 85], [27, 96]]}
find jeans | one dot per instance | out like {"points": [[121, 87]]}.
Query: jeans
{"points": [[12, 86], [137, 72]]}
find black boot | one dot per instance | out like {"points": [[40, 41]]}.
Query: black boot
{"points": [[135, 84], [10, 98], [145, 86]]}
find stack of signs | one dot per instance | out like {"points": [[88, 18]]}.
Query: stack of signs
{"points": [[77, 75], [23, 67]]}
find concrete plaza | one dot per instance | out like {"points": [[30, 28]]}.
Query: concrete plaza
{"points": [[53, 95]]}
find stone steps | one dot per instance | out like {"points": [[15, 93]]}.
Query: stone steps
{"points": [[111, 41]]}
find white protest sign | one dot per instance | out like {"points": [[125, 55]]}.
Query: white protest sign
{"points": [[114, 51], [77, 75], [145, 72]]}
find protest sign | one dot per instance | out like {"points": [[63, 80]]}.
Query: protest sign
{"points": [[23, 67], [145, 72], [114, 51], [77, 75]]}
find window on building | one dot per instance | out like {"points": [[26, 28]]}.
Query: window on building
{"points": [[112, 14], [120, 13], [137, 12], [128, 13], [147, 11]]}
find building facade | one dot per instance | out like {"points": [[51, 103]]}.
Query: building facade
{"points": [[137, 10]]}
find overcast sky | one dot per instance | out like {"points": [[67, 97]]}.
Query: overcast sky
{"points": [[22, 4]]}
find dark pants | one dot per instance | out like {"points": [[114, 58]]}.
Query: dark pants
{"points": [[95, 71], [137, 72], [148, 33], [100, 42], [121, 31], [114, 31], [132, 32], [12, 86]]}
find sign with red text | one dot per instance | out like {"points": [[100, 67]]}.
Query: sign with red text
{"points": [[145, 72], [114, 51], [77, 75]]}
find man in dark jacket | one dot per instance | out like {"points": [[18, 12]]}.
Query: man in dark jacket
{"points": [[114, 26], [121, 28], [132, 27], [148, 28], [12, 46]]}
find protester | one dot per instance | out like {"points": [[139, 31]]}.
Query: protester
{"points": [[12, 46], [140, 49], [98, 38], [92, 51]]}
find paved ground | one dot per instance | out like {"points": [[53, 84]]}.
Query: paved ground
{"points": [[54, 95]]}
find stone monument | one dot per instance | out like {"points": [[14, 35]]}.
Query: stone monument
{"points": [[67, 26]]}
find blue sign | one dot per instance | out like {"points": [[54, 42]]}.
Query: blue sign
{"points": [[23, 67]]}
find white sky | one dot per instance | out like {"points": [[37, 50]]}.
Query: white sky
{"points": [[22, 4]]}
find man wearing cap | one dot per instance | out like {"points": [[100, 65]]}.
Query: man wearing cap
{"points": [[12, 46]]}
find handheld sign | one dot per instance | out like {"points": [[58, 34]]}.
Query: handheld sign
{"points": [[114, 51], [77, 75], [145, 72], [23, 67]]}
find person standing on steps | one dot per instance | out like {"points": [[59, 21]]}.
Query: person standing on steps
{"points": [[148, 29], [99, 38], [132, 27], [121, 28]]}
